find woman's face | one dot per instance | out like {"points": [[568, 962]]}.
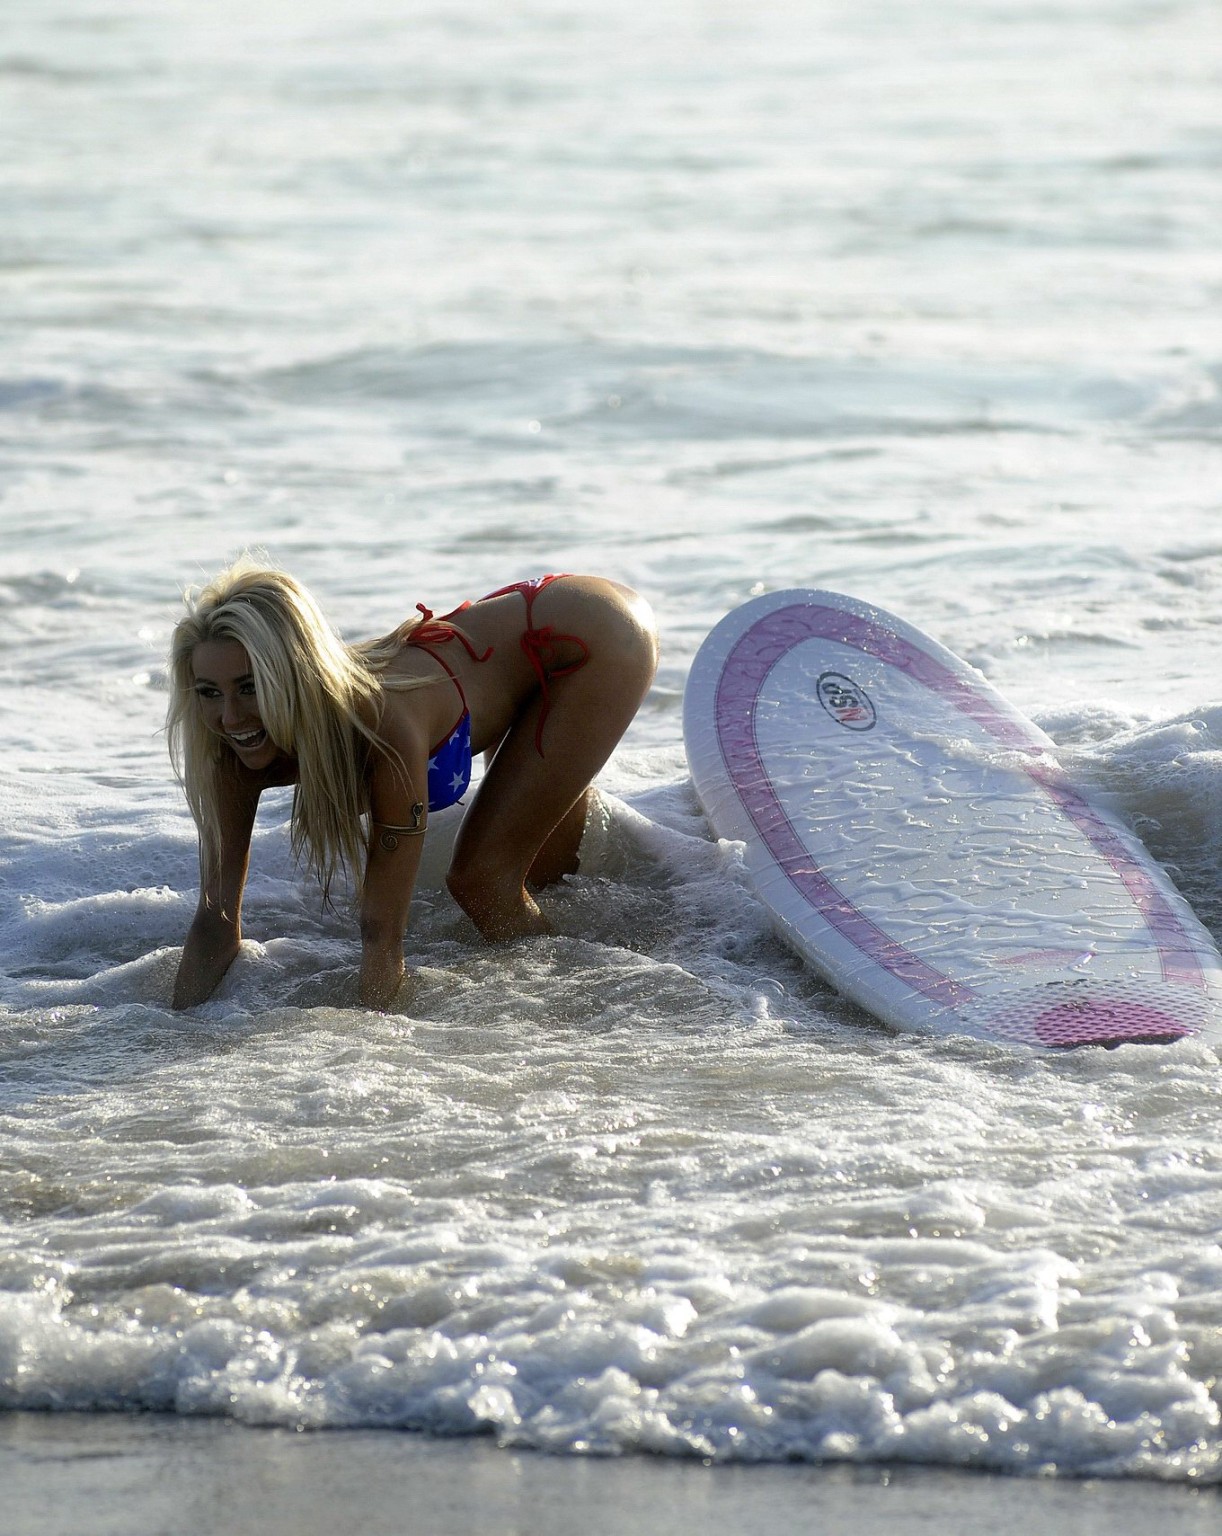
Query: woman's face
{"points": [[225, 688]]}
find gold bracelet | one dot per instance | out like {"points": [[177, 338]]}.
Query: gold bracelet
{"points": [[389, 840]]}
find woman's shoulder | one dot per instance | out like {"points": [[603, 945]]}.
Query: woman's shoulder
{"points": [[404, 716]]}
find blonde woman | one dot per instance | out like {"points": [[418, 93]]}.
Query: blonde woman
{"points": [[546, 675]]}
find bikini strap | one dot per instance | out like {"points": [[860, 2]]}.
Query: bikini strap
{"points": [[429, 632], [540, 646]]}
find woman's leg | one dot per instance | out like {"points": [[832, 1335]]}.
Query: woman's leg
{"points": [[527, 818], [559, 854]]}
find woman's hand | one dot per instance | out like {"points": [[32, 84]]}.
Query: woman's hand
{"points": [[212, 945], [382, 972], [215, 935], [396, 839]]}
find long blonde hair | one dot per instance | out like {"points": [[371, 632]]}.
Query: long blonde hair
{"points": [[317, 698]]}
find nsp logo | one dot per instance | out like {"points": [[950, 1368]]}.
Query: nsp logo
{"points": [[847, 704]]}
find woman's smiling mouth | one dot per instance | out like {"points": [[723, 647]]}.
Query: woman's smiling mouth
{"points": [[248, 741]]}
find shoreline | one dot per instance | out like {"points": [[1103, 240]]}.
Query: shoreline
{"points": [[64, 1474]]}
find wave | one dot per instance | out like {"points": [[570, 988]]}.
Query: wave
{"points": [[652, 393]]}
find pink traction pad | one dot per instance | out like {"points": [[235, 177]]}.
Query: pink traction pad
{"points": [[1099, 1022], [1102, 1024]]}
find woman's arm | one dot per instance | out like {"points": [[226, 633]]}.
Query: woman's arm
{"points": [[396, 841], [215, 935]]}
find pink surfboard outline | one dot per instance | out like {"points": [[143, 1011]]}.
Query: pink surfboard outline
{"points": [[750, 660]]}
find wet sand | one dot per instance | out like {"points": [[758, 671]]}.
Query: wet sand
{"points": [[153, 1475]]}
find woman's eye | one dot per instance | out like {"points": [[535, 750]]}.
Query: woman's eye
{"points": [[248, 690]]}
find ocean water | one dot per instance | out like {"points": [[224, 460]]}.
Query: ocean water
{"points": [[918, 303]]}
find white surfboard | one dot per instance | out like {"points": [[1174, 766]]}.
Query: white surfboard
{"points": [[912, 836]]}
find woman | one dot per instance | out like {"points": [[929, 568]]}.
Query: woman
{"points": [[546, 675]]}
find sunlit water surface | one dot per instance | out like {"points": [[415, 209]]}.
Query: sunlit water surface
{"points": [[915, 302]]}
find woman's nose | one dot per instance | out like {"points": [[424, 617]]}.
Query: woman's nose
{"points": [[231, 710]]}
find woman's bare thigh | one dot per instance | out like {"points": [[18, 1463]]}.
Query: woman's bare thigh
{"points": [[525, 795]]}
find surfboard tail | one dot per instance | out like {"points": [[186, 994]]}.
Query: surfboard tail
{"points": [[1107, 1013]]}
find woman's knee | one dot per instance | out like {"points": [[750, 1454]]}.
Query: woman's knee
{"points": [[498, 904], [464, 883], [477, 883]]}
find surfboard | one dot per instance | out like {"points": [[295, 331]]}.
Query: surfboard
{"points": [[911, 834]]}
